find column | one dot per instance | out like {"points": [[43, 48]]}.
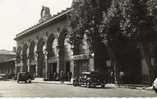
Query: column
{"points": [[58, 65], [28, 57], [16, 64], [28, 64], [91, 62], [72, 70], [36, 59], [21, 64], [46, 64]]}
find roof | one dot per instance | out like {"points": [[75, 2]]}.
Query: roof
{"points": [[8, 60], [6, 52], [37, 26], [7, 56]]}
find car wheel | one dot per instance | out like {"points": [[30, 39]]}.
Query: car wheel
{"points": [[88, 85], [75, 84], [154, 89], [103, 86], [29, 80]]}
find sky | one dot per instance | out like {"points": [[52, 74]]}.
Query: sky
{"points": [[18, 15]]}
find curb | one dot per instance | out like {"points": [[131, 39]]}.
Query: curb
{"points": [[138, 88]]}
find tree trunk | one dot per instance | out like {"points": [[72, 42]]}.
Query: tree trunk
{"points": [[113, 63], [147, 56]]}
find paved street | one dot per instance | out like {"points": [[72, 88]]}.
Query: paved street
{"points": [[45, 89]]}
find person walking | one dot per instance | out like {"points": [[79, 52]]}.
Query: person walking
{"points": [[121, 77], [61, 76]]}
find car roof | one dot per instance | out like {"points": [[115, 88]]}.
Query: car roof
{"points": [[86, 73]]}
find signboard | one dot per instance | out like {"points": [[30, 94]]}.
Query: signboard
{"points": [[82, 56], [52, 59]]}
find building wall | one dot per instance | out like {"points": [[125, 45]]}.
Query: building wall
{"points": [[45, 33], [52, 52], [42, 33], [7, 67]]}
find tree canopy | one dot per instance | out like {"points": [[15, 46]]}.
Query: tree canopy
{"points": [[113, 23]]}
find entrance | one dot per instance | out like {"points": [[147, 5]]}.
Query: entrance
{"points": [[130, 66], [52, 71], [67, 68], [52, 68], [32, 69]]}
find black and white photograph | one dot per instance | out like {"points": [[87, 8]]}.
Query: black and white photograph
{"points": [[78, 48]]}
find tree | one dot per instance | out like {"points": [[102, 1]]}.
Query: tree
{"points": [[138, 25], [87, 18], [113, 24]]}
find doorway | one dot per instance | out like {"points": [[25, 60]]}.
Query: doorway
{"points": [[67, 67]]}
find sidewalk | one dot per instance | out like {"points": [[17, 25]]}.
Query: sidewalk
{"points": [[41, 80], [136, 86]]}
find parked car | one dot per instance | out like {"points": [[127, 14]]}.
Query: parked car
{"points": [[3, 77], [90, 79], [24, 77], [155, 85]]}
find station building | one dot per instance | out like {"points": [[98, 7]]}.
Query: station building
{"points": [[44, 48]]}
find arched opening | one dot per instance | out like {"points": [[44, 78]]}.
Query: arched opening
{"points": [[82, 63], [18, 54], [40, 58], [52, 50], [65, 54], [32, 57], [24, 58], [31, 51], [49, 46], [61, 47], [18, 59], [68, 57]]}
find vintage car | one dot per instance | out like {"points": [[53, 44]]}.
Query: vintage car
{"points": [[24, 77], [3, 77], [155, 85], [90, 79]]}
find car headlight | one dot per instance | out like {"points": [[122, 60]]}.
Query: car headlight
{"points": [[88, 78]]}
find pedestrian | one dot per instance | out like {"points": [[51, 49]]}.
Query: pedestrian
{"points": [[70, 75], [54, 76], [61, 76], [111, 77], [121, 77]]}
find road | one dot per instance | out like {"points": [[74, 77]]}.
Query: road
{"points": [[45, 89]]}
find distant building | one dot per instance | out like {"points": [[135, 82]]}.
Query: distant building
{"points": [[7, 62]]}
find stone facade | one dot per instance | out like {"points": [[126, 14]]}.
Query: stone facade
{"points": [[44, 49]]}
